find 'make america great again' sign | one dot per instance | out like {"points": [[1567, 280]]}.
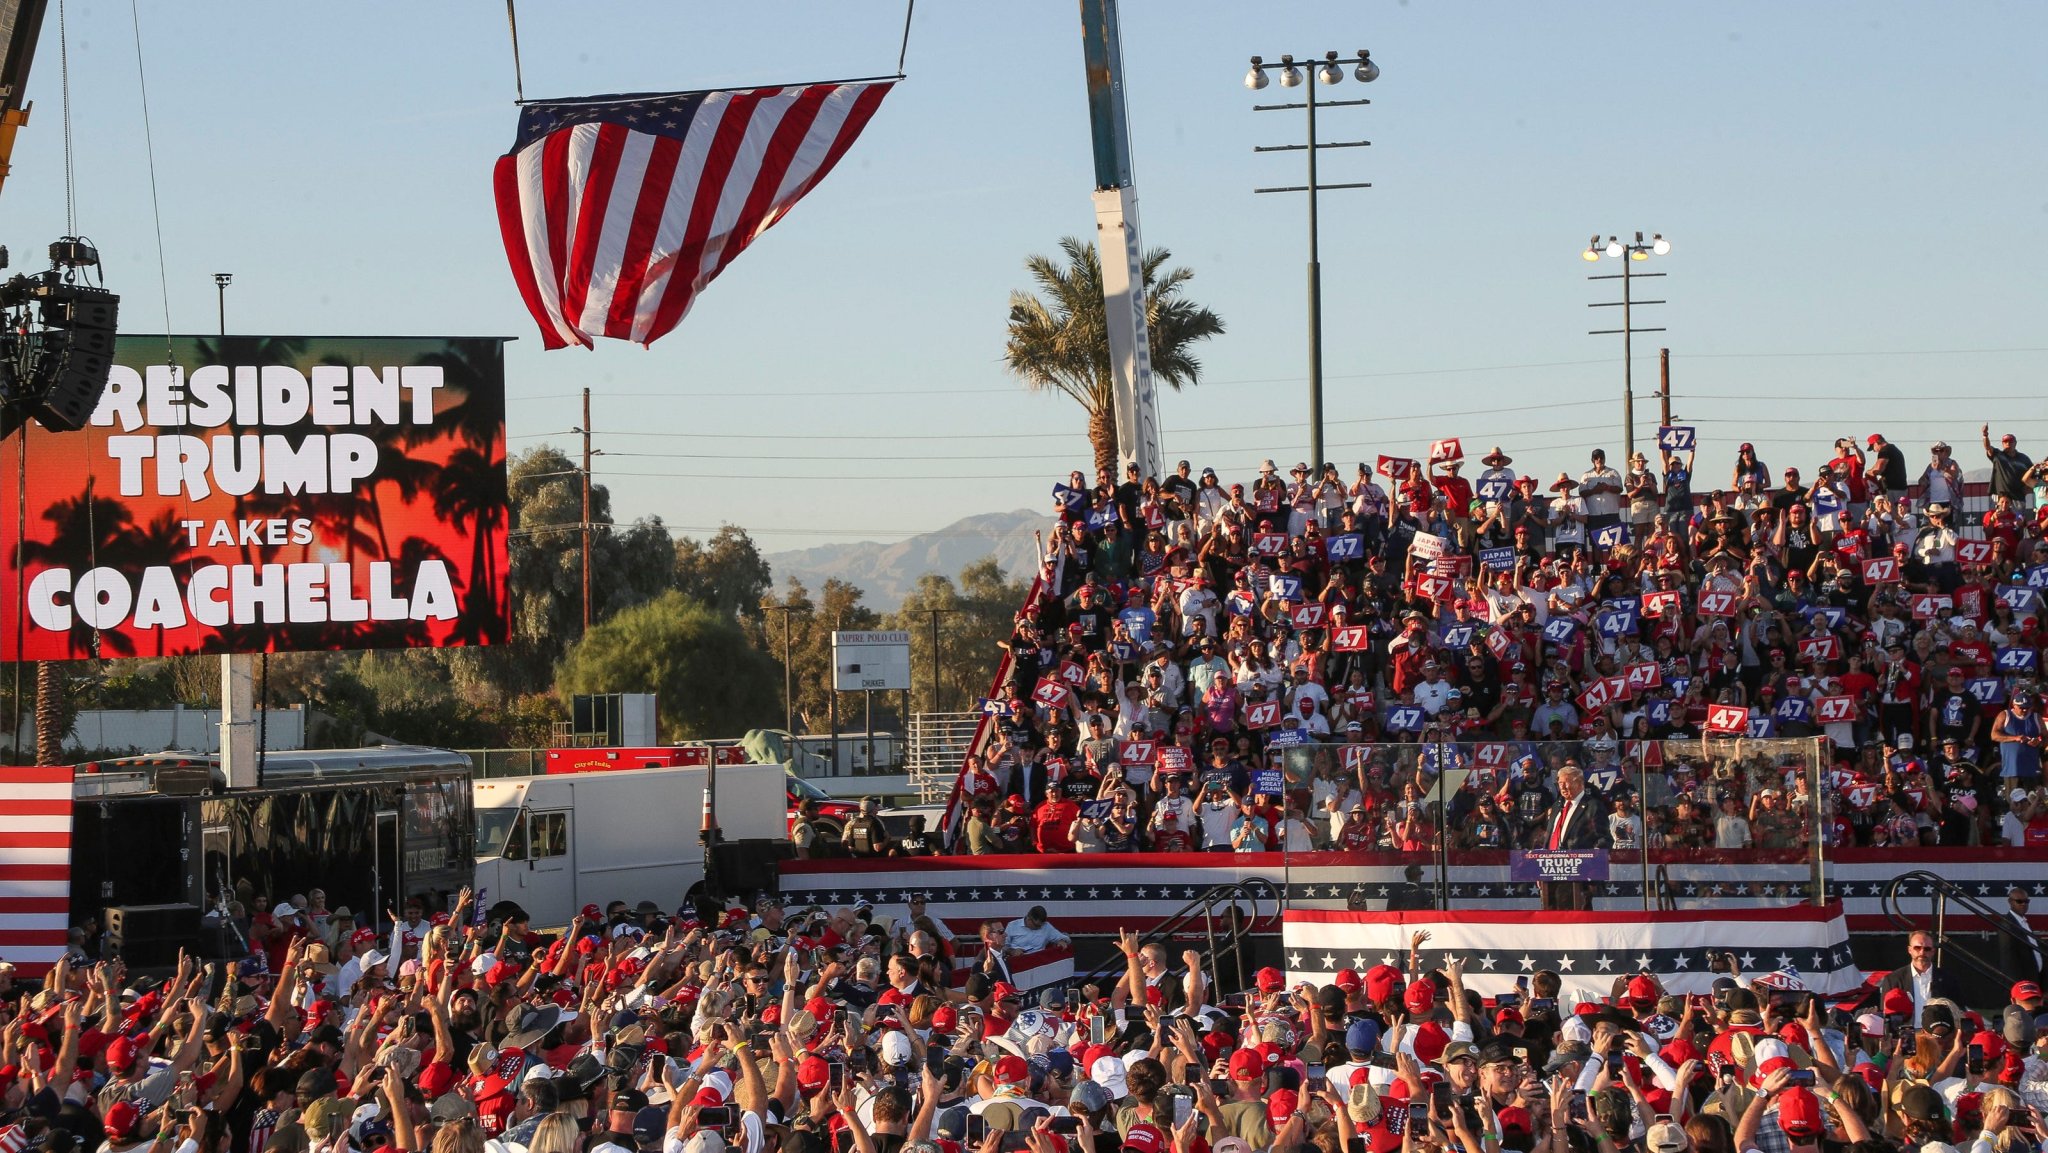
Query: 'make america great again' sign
{"points": [[263, 494]]}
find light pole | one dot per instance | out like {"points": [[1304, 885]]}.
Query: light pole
{"points": [[1628, 252], [221, 280], [1329, 71], [935, 614], [788, 697]]}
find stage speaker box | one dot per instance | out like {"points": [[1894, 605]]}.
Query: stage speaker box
{"points": [[149, 936], [77, 351]]}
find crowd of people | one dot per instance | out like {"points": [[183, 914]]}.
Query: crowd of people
{"points": [[1293, 663], [822, 1030]]}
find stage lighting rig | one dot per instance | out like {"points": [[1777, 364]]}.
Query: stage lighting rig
{"points": [[58, 341]]}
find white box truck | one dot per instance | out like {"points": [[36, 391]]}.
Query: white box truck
{"points": [[558, 842]]}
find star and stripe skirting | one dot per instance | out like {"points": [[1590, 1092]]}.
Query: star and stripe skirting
{"points": [[1587, 950]]}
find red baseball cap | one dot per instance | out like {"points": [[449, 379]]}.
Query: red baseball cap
{"points": [[945, 1019], [1898, 1003], [122, 1053], [1281, 1105], [1642, 990], [1011, 1070], [1145, 1138], [1271, 980], [436, 1078], [812, 1075], [1381, 981], [1771, 1066], [2024, 990], [1349, 980], [1799, 1112], [592, 913], [1004, 991], [1420, 996], [121, 1121], [1247, 1065]]}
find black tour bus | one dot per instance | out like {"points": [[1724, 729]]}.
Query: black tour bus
{"points": [[158, 841]]}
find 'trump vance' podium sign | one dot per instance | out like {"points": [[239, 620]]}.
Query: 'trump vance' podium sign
{"points": [[1557, 865], [865, 662]]}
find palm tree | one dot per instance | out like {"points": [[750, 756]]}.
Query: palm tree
{"points": [[1061, 340]]}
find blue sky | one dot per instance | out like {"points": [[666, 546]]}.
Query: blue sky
{"points": [[1857, 195]]}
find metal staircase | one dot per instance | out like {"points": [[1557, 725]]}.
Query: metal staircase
{"points": [[1220, 918], [1943, 896]]}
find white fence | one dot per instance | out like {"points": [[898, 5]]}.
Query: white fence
{"points": [[159, 730]]}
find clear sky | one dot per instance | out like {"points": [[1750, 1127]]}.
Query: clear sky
{"points": [[1857, 195]]}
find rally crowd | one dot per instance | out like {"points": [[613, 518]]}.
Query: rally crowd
{"points": [[837, 1031], [1290, 664]]}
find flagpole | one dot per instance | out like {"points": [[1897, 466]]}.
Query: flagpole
{"points": [[518, 78], [627, 97], [904, 52]]}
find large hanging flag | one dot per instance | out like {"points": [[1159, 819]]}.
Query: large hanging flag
{"points": [[618, 210]]}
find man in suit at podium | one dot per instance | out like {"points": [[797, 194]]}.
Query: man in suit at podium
{"points": [[1571, 823]]}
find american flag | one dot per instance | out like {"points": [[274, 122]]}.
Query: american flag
{"points": [[618, 210], [35, 864]]}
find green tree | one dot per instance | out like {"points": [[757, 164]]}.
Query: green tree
{"points": [[628, 566], [1060, 341], [710, 681], [812, 623], [974, 615], [725, 572]]}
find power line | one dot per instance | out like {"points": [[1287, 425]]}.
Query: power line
{"points": [[1480, 368]]}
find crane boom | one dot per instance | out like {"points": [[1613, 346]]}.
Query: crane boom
{"points": [[1117, 242], [21, 24]]}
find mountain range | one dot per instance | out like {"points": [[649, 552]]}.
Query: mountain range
{"points": [[887, 572]]}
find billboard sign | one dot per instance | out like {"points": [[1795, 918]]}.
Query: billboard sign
{"points": [[264, 494]]}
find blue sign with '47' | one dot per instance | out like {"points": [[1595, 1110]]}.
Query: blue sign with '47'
{"points": [[1405, 719], [1345, 546], [1616, 622], [2017, 660]]}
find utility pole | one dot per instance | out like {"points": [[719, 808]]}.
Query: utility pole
{"points": [[1663, 387], [935, 613], [788, 683], [585, 430]]}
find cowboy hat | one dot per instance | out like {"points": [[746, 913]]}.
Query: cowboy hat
{"points": [[536, 1024], [1496, 458], [1563, 483]]}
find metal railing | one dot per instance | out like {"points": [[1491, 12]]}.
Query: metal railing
{"points": [[1941, 893], [939, 742], [1223, 917]]}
